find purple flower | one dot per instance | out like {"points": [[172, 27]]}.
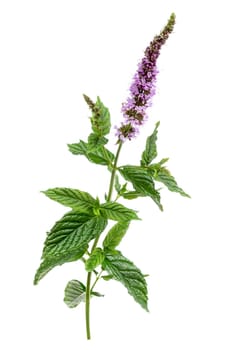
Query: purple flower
{"points": [[143, 88]]}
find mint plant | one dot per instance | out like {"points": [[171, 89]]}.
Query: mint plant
{"points": [[77, 235]]}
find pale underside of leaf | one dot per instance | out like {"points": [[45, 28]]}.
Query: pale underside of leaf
{"points": [[75, 293]]}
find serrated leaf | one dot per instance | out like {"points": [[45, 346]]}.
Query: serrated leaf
{"points": [[150, 151], [79, 148], [115, 235], [72, 231], [163, 175], [124, 271], [142, 182], [68, 240], [52, 261], [96, 258], [118, 212], [75, 293], [100, 155], [73, 198]]}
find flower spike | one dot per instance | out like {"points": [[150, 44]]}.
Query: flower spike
{"points": [[142, 88]]}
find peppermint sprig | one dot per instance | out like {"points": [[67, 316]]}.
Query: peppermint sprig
{"points": [[76, 236]]}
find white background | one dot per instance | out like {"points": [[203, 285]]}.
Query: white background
{"points": [[51, 53]]}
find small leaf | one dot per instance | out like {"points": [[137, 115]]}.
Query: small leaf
{"points": [[97, 294], [107, 277], [142, 182], [75, 199], [75, 293], [120, 189], [100, 119], [118, 212], [132, 195], [78, 148], [96, 258], [100, 155], [151, 150], [115, 235], [95, 141], [117, 184], [124, 271], [163, 175]]}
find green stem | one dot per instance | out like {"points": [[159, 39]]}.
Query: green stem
{"points": [[88, 286], [112, 180], [96, 280], [88, 297]]}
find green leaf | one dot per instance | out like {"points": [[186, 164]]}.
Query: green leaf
{"points": [[73, 230], [107, 277], [68, 240], [100, 155], [115, 235], [151, 150], [142, 182], [120, 189], [124, 271], [95, 141], [52, 261], [132, 195], [117, 184], [79, 148], [97, 294], [75, 199], [118, 212], [100, 119], [75, 293], [163, 175], [96, 258]]}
